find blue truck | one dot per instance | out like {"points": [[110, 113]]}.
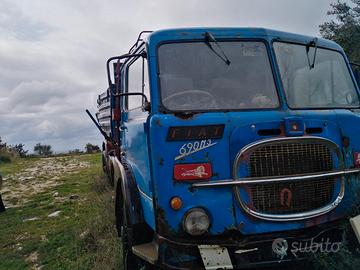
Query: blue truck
{"points": [[228, 146]]}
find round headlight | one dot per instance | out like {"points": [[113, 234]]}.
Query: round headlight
{"points": [[196, 221]]}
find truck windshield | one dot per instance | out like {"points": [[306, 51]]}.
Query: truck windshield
{"points": [[194, 78], [327, 85]]}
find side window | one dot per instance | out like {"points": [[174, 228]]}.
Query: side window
{"points": [[138, 81]]}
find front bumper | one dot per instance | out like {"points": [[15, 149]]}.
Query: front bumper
{"points": [[251, 251]]}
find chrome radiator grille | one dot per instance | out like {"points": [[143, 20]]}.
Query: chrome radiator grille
{"points": [[287, 158], [306, 196], [290, 158]]}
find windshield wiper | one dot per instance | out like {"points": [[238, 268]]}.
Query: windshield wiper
{"points": [[210, 38], [313, 43]]}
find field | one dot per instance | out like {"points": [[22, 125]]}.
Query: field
{"points": [[59, 215]]}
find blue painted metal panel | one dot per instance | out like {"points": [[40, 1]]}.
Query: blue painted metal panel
{"points": [[135, 144], [199, 33], [163, 160], [241, 129]]}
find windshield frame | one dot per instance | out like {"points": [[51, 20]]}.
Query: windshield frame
{"points": [[318, 47], [164, 109]]}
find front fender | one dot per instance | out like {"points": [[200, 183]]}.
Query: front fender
{"points": [[125, 182]]}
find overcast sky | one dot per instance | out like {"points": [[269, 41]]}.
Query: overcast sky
{"points": [[53, 53]]}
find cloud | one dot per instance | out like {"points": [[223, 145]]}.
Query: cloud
{"points": [[53, 53], [35, 96], [15, 23]]}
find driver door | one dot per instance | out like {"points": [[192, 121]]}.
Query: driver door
{"points": [[134, 125]]}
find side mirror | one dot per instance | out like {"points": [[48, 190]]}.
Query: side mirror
{"points": [[146, 106]]}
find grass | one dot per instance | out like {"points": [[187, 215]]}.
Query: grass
{"points": [[16, 165], [81, 237]]}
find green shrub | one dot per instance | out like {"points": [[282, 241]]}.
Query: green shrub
{"points": [[6, 156], [43, 149], [4, 159]]}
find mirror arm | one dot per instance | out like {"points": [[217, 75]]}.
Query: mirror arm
{"points": [[119, 58], [146, 103]]}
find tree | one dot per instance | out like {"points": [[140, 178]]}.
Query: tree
{"points": [[5, 154], [90, 148], [345, 30], [19, 149], [2, 144], [43, 149], [75, 151]]}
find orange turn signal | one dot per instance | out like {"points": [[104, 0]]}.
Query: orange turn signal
{"points": [[175, 203]]}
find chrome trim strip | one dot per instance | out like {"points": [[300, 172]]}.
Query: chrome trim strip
{"points": [[260, 180], [297, 216], [142, 193]]}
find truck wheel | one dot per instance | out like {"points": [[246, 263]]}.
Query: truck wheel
{"points": [[111, 176], [129, 260], [119, 209], [103, 164]]}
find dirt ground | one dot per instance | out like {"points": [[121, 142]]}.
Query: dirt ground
{"points": [[45, 173]]}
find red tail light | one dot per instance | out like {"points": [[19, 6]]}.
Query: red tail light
{"points": [[198, 171], [357, 159]]}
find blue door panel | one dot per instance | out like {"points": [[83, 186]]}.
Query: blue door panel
{"points": [[135, 145]]}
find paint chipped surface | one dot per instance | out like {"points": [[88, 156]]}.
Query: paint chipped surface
{"points": [[215, 257]]}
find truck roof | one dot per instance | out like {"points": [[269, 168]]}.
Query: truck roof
{"points": [[233, 32]]}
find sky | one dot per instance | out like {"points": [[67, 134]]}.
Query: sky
{"points": [[53, 53]]}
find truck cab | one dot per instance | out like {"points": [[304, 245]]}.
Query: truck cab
{"points": [[221, 141]]}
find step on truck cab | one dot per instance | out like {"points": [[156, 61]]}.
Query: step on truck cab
{"points": [[228, 146]]}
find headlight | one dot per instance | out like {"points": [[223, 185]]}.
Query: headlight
{"points": [[196, 221]]}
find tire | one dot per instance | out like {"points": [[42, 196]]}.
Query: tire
{"points": [[111, 176], [109, 172], [104, 164], [2, 206], [106, 171], [119, 211], [129, 260]]}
